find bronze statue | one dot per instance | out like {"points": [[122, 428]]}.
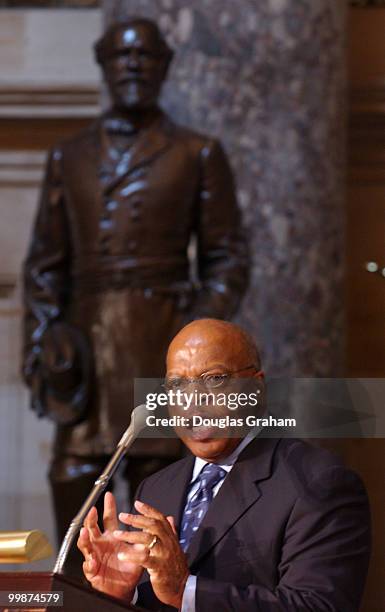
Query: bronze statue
{"points": [[107, 276]]}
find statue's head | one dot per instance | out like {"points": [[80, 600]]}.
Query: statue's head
{"points": [[134, 57]]}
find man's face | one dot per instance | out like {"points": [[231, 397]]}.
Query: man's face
{"points": [[135, 69], [201, 356]]}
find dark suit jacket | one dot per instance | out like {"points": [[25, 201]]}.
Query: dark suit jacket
{"points": [[109, 255], [289, 530]]}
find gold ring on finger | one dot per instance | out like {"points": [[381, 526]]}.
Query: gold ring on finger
{"points": [[152, 543]]}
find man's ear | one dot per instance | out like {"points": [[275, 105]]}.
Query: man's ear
{"points": [[259, 374], [259, 378], [171, 521]]}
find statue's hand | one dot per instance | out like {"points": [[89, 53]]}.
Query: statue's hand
{"points": [[101, 566], [60, 357]]}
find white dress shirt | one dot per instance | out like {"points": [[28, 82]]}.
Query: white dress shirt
{"points": [[188, 602]]}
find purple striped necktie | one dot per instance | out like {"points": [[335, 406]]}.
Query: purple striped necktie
{"points": [[197, 506]]}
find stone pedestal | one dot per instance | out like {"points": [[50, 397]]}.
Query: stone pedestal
{"points": [[268, 79]]}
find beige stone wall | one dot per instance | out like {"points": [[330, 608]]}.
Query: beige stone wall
{"points": [[44, 75], [47, 87], [49, 4]]}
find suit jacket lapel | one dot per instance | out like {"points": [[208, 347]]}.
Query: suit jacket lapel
{"points": [[174, 491], [86, 169], [149, 143], [239, 491]]}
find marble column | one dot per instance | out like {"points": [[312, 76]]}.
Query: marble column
{"points": [[268, 79]]}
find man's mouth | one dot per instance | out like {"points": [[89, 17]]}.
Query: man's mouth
{"points": [[202, 433]]}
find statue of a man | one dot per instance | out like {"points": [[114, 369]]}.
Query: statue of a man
{"points": [[107, 276]]}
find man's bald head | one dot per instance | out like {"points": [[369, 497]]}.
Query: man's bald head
{"points": [[208, 342], [203, 350]]}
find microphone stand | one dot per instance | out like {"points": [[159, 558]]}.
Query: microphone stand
{"points": [[99, 486]]}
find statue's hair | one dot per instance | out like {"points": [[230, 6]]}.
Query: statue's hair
{"points": [[104, 47]]}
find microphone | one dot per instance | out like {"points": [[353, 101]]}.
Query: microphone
{"points": [[137, 423]]}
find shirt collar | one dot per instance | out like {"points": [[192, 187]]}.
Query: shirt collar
{"points": [[229, 461]]}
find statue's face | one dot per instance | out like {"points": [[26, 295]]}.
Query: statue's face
{"points": [[135, 69]]}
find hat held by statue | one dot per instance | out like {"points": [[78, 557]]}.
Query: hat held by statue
{"points": [[66, 366]]}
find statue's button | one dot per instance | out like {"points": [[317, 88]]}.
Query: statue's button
{"points": [[105, 224], [112, 205], [132, 245]]}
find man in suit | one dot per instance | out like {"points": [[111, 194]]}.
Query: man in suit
{"points": [[107, 277], [254, 524]]}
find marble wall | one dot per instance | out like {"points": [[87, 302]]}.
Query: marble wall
{"points": [[268, 79], [367, 2]]}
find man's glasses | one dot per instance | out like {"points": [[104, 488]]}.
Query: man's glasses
{"points": [[207, 380]]}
